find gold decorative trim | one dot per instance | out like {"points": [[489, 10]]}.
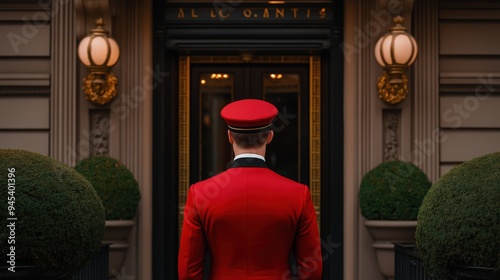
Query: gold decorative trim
{"points": [[392, 93], [100, 89], [254, 59], [184, 76], [315, 133]]}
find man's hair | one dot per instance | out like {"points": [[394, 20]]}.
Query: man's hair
{"points": [[251, 140]]}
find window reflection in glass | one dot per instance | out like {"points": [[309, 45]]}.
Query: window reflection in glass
{"points": [[283, 154], [216, 91]]}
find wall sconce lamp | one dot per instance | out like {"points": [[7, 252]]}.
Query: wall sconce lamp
{"points": [[395, 52], [99, 53]]}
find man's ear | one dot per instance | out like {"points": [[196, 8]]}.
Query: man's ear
{"points": [[230, 137], [270, 137]]}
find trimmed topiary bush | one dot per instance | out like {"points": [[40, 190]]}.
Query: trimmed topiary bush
{"points": [[393, 190], [459, 221], [115, 185], [59, 217]]}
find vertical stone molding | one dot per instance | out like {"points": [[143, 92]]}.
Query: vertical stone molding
{"points": [[366, 105], [403, 8], [391, 134], [365, 86], [87, 13], [425, 142], [134, 88], [132, 110], [63, 81]]}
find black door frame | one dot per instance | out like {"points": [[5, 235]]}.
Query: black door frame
{"points": [[169, 41]]}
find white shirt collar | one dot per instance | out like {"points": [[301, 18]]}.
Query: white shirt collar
{"points": [[249, 156]]}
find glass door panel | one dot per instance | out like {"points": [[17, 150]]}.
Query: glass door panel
{"points": [[284, 86], [287, 87], [216, 91], [283, 154], [292, 85]]}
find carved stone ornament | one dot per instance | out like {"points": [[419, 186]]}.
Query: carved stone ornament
{"points": [[391, 135], [99, 132], [100, 89], [392, 93]]}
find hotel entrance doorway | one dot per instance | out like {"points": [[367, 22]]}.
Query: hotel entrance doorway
{"points": [[190, 143], [285, 86], [292, 84]]}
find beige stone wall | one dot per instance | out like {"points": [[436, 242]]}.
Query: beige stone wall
{"points": [[451, 113], [126, 122], [469, 80], [42, 108], [450, 116], [366, 118], [25, 76]]}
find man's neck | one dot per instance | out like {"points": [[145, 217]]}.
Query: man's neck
{"points": [[257, 151], [249, 156]]}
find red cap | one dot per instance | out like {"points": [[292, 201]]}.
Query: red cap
{"points": [[249, 115]]}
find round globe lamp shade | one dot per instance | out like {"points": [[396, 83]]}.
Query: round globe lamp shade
{"points": [[396, 49], [98, 51]]}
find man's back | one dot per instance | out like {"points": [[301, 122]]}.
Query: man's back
{"points": [[250, 219]]}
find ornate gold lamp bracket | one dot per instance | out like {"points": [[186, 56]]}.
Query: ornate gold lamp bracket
{"points": [[99, 53], [395, 52]]}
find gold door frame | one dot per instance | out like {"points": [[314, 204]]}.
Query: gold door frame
{"points": [[314, 62]]}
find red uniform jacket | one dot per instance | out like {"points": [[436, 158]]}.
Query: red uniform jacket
{"points": [[250, 219]]}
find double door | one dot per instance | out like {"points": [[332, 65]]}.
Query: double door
{"points": [[214, 86]]}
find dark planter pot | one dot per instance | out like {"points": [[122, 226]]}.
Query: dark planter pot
{"points": [[30, 272], [470, 272]]}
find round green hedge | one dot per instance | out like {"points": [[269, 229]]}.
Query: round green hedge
{"points": [[115, 185], [60, 218], [393, 190], [459, 221]]}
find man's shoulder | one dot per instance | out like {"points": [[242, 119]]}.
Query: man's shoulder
{"points": [[279, 181], [232, 175], [288, 180], [220, 180]]}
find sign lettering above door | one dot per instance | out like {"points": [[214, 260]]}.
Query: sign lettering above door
{"points": [[254, 13]]}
